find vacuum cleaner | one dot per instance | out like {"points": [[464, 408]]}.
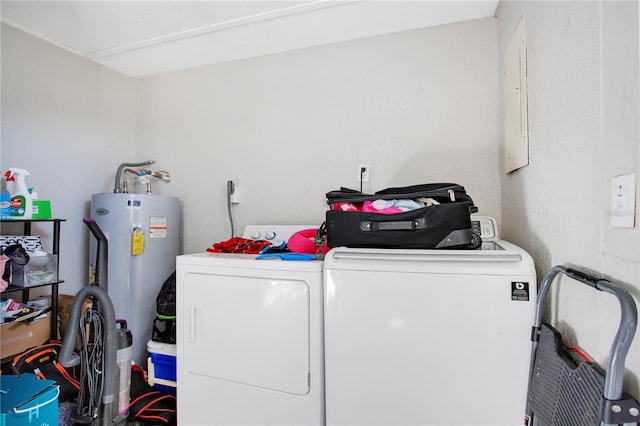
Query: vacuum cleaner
{"points": [[103, 399]]}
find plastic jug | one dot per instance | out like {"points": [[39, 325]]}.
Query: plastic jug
{"points": [[124, 354]]}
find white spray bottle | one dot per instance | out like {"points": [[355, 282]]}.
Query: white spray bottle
{"points": [[21, 202]]}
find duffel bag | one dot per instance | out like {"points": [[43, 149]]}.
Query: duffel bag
{"points": [[438, 216]]}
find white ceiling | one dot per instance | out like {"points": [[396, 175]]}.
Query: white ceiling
{"points": [[141, 38]]}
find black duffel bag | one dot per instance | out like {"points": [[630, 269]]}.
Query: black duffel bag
{"points": [[444, 222]]}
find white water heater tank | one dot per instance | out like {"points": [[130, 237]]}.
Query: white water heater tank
{"points": [[142, 232]]}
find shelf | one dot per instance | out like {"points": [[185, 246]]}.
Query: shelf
{"points": [[55, 249], [14, 288], [32, 220]]}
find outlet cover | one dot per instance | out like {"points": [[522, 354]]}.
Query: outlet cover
{"points": [[364, 176], [623, 201], [235, 196]]}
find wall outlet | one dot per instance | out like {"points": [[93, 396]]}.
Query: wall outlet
{"points": [[364, 173], [623, 201], [235, 196]]}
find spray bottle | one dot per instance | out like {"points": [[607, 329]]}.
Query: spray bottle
{"points": [[21, 202], [11, 182], [5, 198]]}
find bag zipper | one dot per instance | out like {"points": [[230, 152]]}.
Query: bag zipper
{"points": [[446, 193]]}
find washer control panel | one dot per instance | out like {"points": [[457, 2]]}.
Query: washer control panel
{"points": [[485, 226], [275, 234]]}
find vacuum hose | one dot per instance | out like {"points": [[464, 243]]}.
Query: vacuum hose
{"points": [[116, 188], [101, 303], [111, 371]]}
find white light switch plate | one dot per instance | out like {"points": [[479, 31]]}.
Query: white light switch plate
{"points": [[623, 201]]}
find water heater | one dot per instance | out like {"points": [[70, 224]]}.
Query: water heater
{"points": [[142, 234]]}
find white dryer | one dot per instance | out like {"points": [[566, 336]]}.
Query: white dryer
{"points": [[249, 341], [428, 337]]}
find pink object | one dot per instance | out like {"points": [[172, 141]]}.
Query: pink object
{"points": [[5, 266], [367, 206], [304, 242]]}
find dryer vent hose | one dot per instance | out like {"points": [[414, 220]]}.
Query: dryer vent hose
{"points": [[230, 190]]}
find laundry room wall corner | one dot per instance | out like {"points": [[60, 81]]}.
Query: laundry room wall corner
{"points": [[583, 91]]}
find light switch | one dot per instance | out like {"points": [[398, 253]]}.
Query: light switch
{"points": [[623, 201]]}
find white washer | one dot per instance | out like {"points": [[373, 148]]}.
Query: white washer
{"points": [[249, 340], [428, 337]]}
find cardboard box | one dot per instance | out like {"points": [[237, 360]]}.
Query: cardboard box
{"points": [[26, 400], [64, 308], [17, 336]]}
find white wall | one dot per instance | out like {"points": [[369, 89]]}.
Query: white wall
{"points": [[419, 106], [69, 122], [582, 62]]}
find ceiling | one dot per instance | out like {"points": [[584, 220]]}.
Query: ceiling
{"points": [[141, 38]]}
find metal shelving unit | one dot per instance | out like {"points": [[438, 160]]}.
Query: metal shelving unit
{"points": [[54, 250]]}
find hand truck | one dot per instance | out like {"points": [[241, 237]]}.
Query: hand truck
{"points": [[565, 386]]}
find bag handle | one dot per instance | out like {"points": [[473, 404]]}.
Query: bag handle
{"points": [[26, 410], [401, 225]]}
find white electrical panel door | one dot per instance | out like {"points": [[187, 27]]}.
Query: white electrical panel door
{"points": [[516, 122], [248, 330]]}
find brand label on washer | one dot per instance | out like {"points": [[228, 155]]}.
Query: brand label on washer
{"points": [[520, 291]]}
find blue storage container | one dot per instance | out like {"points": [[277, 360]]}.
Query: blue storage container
{"points": [[164, 366], [161, 366], [27, 401]]}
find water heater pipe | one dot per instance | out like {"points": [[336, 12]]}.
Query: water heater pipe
{"points": [[116, 188]]}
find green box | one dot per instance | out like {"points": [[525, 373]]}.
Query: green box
{"points": [[41, 209]]}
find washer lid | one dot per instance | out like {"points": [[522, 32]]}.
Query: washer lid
{"points": [[494, 257]]}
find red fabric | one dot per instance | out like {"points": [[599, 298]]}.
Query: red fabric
{"points": [[238, 245]]}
